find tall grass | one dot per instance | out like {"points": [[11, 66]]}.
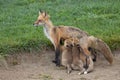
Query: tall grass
{"points": [[100, 18]]}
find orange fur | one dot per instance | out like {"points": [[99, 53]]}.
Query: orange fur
{"points": [[56, 34]]}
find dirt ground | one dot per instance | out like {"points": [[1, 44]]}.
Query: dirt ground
{"points": [[39, 66]]}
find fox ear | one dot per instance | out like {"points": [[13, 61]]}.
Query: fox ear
{"points": [[45, 13], [40, 11]]}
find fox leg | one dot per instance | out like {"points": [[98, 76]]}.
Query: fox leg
{"points": [[57, 50], [81, 68], [69, 69], [82, 71], [91, 66], [93, 53], [57, 56], [94, 57]]}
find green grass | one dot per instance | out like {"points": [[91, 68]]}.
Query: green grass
{"points": [[100, 18]]}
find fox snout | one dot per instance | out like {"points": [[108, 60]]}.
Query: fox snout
{"points": [[35, 23], [38, 23]]}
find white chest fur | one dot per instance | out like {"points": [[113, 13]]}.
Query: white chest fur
{"points": [[47, 34]]}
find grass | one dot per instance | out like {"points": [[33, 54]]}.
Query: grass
{"points": [[100, 18]]}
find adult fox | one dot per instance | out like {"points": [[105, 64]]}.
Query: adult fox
{"points": [[56, 34]]}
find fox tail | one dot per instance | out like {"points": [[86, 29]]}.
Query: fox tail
{"points": [[103, 48]]}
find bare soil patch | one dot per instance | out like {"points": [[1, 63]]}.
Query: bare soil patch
{"points": [[39, 66]]}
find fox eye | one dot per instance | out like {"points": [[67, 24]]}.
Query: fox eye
{"points": [[67, 45]]}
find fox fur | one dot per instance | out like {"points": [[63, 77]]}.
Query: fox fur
{"points": [[66, 55], [98, 45], [57, 33], [80, 59], [73, 57]]}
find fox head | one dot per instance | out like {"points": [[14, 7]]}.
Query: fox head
{"points": [[42, 18], [68, 43]]}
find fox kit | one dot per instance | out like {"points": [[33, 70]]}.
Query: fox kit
{"points": [[70, 57], [56, 34], [77, 62], [66, 55], [73, 57], [80, 59]]}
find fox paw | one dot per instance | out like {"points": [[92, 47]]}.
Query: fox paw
{"points": [[57, 63], [85, 72], [79, 73], [68, 72]]}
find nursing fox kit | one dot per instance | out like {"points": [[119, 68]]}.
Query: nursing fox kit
{"points": [[73, 58]]}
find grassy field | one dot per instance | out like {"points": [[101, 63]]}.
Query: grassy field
{"points": [[100, 18]]}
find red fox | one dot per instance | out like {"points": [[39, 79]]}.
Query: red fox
{"points": [[66, 55], [56, 34], [60, 33]]}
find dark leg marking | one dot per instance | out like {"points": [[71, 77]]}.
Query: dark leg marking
{"points": [[57, 57]]}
